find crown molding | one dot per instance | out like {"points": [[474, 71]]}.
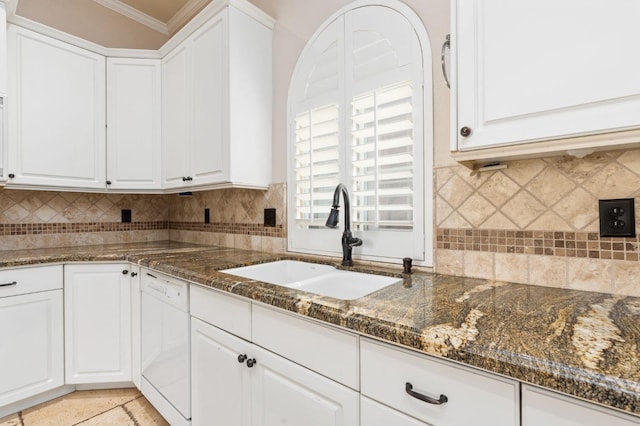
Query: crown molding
{"points": [[135, 14], [11, 6], [185, 13], [80, 42]]}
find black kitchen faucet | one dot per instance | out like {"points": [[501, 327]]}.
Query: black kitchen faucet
{"points": [[348, 240]]}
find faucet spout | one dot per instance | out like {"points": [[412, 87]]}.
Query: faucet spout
{"points": [[348, 240]]}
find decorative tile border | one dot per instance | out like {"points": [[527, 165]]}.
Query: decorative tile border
{"points": [[94, 227], [78, 227], [548, 243], [231, 228]]}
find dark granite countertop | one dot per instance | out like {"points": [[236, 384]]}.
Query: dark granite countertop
{"points": [[581, 343]]}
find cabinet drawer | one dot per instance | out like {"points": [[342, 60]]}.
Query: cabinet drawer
{"points": [[30, 280], [373, 413], [544, 408], [229, 313], [473, 397], [330, 352]]}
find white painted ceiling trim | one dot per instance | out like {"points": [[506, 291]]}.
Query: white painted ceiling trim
{"points": [[183, 16], [135, 14], [176, 22], [203, 16]]}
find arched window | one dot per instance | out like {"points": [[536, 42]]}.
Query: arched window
{"points": [[360, 113]]}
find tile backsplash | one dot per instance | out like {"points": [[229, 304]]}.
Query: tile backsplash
{"points": [[36, 219], [534, 222], [237, 217], [537, 222]]}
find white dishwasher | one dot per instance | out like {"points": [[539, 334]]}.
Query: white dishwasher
{"points": [[164, 346]]}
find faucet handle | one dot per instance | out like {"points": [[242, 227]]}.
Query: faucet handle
{"points": [[355, 242]]}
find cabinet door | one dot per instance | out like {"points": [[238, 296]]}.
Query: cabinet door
{"points": [[135, 324], [545, 69], [31, 352], [286, 393], [133, 123], [97, 324], [209, 154], [220, 384], [544, 408], [176, 112], [57, 114]]}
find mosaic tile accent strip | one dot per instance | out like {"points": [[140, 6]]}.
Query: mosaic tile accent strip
{"points": [[80, 227], [563, 244], [231, 228]]}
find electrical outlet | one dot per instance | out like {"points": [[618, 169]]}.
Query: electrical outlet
{"points": [[269, 217], [126, 215], [617, 218]]}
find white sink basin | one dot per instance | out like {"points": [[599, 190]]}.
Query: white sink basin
{"points": [[324, 280]]}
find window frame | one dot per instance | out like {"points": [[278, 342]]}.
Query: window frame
{"points": [[426, 136]]}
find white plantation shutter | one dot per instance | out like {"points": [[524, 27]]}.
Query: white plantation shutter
{"points": [[317, 168], [356, 108], [383, 159]]}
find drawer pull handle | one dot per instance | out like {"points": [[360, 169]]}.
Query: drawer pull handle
{"points": [[442, 400], [9, 284], [152, 276]]}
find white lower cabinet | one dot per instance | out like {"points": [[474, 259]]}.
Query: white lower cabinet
{"points": [[545, 408], [134, 273], [235, 382], [220, 384], [97, 324], [31, 333], [436, 392]]}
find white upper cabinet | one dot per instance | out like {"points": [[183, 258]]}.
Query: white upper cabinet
{"points": [[544, 70], [57, 113], [217, 105], [133, 124], [3, 49]]}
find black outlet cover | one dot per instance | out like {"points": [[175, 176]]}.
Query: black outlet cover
{"points": [[269, 217], [207, 215], [617, 218], [126, 215]]}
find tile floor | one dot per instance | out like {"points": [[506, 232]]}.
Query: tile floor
{"points": [[113, 407]]}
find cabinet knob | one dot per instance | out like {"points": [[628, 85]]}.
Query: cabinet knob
{"points": [[251, 362], [187, 178], [184, 178], [465, 131], [11, 175], [125, 272], [134, 274], [108, 182], [242, 358]]}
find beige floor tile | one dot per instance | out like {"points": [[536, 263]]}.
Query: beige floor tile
{"points": [[142, 411], [115, 416], [77, 406], [12, 420]]}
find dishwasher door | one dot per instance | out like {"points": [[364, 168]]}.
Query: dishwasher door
{"points": [[164, 347]]}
